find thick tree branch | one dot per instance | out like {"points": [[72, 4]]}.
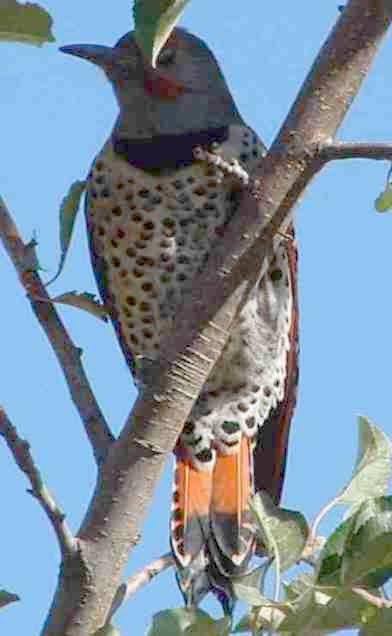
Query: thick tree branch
{"points": [[20, 450], [135, 461], [22, 256], [356, 150]]}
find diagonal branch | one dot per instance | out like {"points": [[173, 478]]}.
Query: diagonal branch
{"points": [[133, 467], [20, 450], [139, 580], [67, 354], [356, 150]]}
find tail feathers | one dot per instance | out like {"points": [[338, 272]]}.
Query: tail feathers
{"points": [[232, 535], [189, 528], [270, 453], [190, 510], [194, 580], [211, 530]]}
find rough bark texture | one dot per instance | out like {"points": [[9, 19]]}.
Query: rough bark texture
{"points": [[134, 462]]}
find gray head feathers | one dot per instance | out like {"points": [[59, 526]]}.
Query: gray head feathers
{"points": [[186, 92]]}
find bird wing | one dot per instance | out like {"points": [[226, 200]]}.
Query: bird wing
{"points": [[270, 452]]}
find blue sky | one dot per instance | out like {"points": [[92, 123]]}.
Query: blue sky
{"points": [[56, 112]]}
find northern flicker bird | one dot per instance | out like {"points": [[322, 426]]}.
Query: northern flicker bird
{"points": [[153, 214]]}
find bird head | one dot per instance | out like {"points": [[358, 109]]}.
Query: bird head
{"points": [[185, 92]]}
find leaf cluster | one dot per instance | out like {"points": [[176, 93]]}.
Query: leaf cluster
{"points": [[348, 569]]}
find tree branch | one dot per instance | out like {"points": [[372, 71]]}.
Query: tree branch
{"points": [[139, 580], [20, 450], [23, 259], [356, 150], [377, 601], [135, 461]]}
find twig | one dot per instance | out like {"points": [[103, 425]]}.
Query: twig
{"points": [[20, 450], [378, 601], [139, 580], [356, 150], [277, 585], [68, 355], [312, 542]]}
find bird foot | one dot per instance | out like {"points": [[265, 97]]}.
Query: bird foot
{"points": [[233, 169], [230, 167]]}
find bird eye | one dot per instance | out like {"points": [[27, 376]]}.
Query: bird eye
{"points": [[166, 57]]}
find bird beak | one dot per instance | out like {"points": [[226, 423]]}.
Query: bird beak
{"points": [[100, 55]]}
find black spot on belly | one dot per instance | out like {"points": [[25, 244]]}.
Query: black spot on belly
{"points": [[230, 427], [205, 455]]}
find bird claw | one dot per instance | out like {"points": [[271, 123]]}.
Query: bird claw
{"points": [[231, 167]]}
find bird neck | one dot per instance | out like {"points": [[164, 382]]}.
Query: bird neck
{"points": [[166, 152]]}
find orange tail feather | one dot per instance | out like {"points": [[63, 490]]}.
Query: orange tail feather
{"points": [[230, 518], [190, 513], [212, 534]]}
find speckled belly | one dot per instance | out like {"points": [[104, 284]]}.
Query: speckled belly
{"points": [[151, 233]]}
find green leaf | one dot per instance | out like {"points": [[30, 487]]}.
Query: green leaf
{"points": [[383, 203], [154, 22], [204, 625], [373, 466], [266, 613], [68, 210], [305, 615], [248, 588], [174, 622], [192, 622], [377, 623], [27, 23], [251, 595], [107, 630], [284, 532], [251, 583], [317, 612], [245, 624], [84, 301], [360, 549], [331, 556], [6, 598], [349, 607], [260, 618], [367, 557], [298, 586], [269, 618]]}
